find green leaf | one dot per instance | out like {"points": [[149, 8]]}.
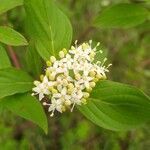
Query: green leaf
{"points": [[27, 107], [14, 81], [33, 60], [48, 26], [122, 16], [11, 37], [4, 60], [117, 106], [6, 5]]}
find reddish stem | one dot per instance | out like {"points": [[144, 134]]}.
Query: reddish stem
{"points": [[13, 57]]}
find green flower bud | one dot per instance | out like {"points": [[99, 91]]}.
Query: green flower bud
{"points": [[92, 84], [77, 76], [89, 89], [92, 73], [72, 47], [51, 77], [99, 76], [96, 80], [61, 54], [85, 46], [54, 91], [84, 101], [36, 83], [52, 59], [41, 77], [86, 95], [48, 63], [65, 82], [63, 108], [70, 86], [64, 50], [68, 102]]}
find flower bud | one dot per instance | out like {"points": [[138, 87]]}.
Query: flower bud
{"points": [[92, 73], [68, 102], [50, 88], [86, 95], [52, 114], [47, 72], [84, 46], [64, 50], [54, 91], [51, 77], [36, 83], [92, 84], [61, 54], [96, 80], [77, 76], [99, 76], [48, 63], [70, 90], [72, 47], [84, 101], [70, 86], [63, 108], [52, 59], [41, 77], [89, 89], [65, 82], [92, 55]]}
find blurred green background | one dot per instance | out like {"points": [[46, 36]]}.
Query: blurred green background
{"points": [[129, 52]]}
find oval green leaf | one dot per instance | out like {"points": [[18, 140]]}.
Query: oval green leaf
{"points": [[11, 37], [14, 81], [122, 16], [117, 106], [48, 26], [33, 60], [6, 5], [27, 107], [4, 60]]}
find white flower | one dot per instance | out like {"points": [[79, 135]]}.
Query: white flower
{"points": [[62, 96], [76, 96], [68, 60], [57, 68], [55, 105], [85, 80], [58, 100], [42, 88], [62, 81], [69, 80]]}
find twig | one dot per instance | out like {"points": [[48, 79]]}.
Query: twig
{"points": [[10, 50], [13, 57]]}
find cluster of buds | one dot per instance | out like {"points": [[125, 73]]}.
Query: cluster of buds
{"points": [[68, 81]]}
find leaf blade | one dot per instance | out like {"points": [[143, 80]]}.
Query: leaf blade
{"points": [[50, 36], [14, 81], [9, 4], [33, 60], [11, 37], [117, 106], [4, 60], [122, 16], [27, 107]]}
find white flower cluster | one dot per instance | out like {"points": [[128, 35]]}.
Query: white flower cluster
{"points": [[69, 80]]}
